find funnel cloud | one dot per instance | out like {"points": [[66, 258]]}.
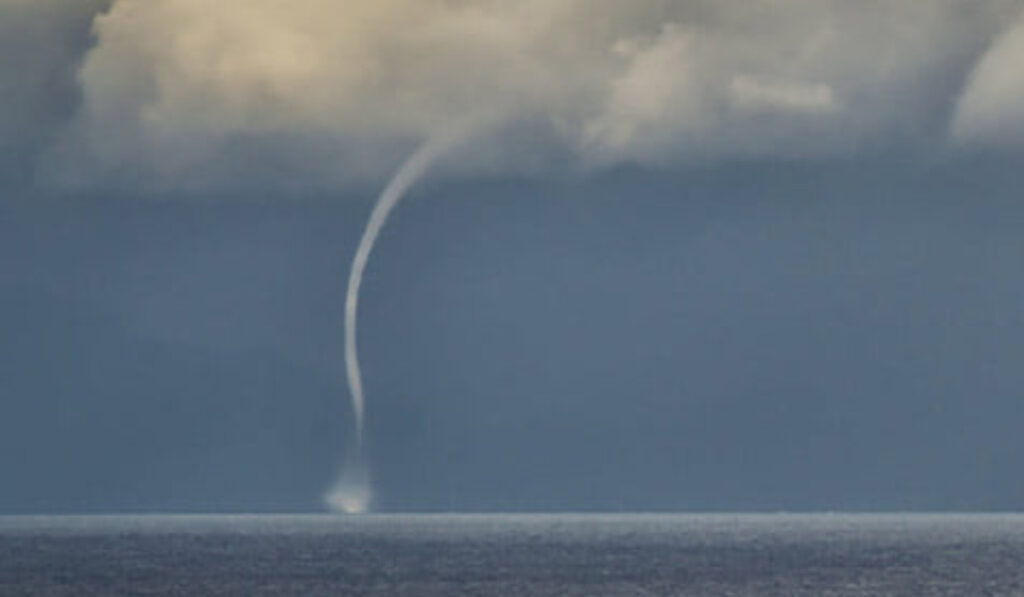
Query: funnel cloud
{"points": [[353, 492]]}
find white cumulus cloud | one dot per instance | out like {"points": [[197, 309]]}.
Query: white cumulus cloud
{"points": [[189, 92]]}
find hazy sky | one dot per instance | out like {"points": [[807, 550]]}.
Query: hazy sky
{"points": [[693, 255]]}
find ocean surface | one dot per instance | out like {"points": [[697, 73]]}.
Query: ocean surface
{"points": [[517, 554]]}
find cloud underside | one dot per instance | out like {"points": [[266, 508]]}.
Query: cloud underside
{"points": [[991, 109], [191, 92]]}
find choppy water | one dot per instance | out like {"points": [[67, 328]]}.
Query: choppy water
{"points": [[627, 554]]}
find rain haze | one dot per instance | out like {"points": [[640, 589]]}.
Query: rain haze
{"points": [[656, 255]]}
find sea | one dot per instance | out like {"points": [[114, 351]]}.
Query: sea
{"points": [[514, 554]]}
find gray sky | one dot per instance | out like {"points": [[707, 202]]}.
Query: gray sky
{"points": [[800, 292]]}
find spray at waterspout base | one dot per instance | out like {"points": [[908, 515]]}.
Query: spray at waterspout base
{"points": [[353, 492]]}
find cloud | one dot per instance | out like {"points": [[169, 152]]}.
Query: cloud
{"points": [[991, 109], [188, 93], [755, 95], [41, 44], [707, 91]]}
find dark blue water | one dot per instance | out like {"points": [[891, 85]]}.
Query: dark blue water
{"points": [[627, 554]]}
